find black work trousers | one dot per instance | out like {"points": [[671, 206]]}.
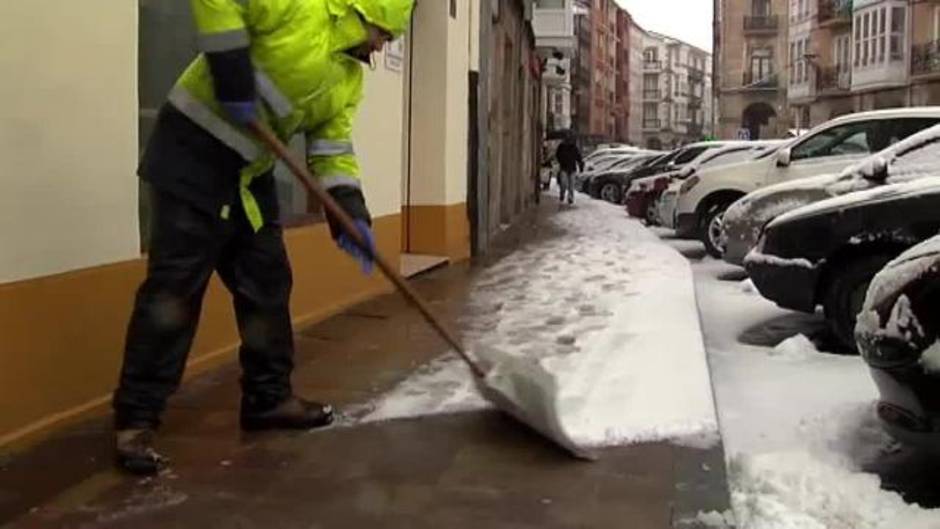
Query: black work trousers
{"points": [[187, 246]]}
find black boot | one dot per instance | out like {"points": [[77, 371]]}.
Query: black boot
{"points": [[292, 414], [135, 452]]}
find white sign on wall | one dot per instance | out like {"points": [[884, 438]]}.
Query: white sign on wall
{"points": [[395, 55]]}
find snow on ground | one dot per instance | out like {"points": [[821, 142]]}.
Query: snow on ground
{"points": [[610, 310], [798, 425]]}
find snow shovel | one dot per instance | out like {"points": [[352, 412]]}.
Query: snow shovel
{"points": [[523, 389]]}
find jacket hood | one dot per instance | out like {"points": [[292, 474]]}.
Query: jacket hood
{"points": [[392, 16]]}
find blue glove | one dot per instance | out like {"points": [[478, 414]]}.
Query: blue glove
{"points": [[363, 256], [241, 112]]}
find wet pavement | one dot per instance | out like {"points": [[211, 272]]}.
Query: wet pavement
{"points": [[475, 469]]}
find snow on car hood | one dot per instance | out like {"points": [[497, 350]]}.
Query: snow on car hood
{"points": [[886, 192], [904, 269]]}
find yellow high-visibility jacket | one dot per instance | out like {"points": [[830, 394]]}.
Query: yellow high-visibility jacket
{"points": [[306, 83]]}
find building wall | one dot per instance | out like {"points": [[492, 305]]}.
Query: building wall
{"points": [[844, 78], [736, 48], [68, 199]]}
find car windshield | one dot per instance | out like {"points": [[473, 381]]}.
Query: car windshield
{"points": [[691, 153], [727, 157]]}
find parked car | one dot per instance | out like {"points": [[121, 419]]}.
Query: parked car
{"points": [[583, 178], [608, 184], [639, 194], [826, 253], [897, 334], [826, 149], [643, 198], [914, 157]]}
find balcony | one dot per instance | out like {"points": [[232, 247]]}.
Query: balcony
{"points": [[835, 13], [652, 124], [652, 66], [833, 81], [767, 24], [652, 95], [696, 75], [554, 28], [753, 82], [695, 102], [925, 59]]}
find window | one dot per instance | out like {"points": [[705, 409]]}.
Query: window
{"points": [[760, 8], [866, 36], [936, 23], [858, 40], [898, 27], [761, 65], [853, 138], [453, 8], [687, 155], [882, 33]]}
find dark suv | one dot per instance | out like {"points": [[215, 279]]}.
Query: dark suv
{"points": [[827, 253]]}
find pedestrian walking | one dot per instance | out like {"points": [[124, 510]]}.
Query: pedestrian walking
{"points": [[570, 162], [296, 65]]}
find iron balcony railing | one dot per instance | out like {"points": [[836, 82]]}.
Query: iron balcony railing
{"points": [[650, 123], [925, 58], [696, 75], [650, 65], [754, 82], [762, 23], [652, 94]]}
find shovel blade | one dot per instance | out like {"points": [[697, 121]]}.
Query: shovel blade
{"points": [[527, 391]]}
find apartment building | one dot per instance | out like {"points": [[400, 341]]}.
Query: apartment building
{"points": [[850, 56], [554, 26], [752, 71], [676, 92], [605, 47]]}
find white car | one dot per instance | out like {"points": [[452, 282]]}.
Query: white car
{"points": [[828, 148], [918, 156], [732, 153]]}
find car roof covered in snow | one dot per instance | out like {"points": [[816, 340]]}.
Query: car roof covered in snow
{"points": [[927, 185]]}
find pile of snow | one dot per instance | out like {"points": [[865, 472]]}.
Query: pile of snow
{"points": [[609, 310], [755, 257], [797, 347]]}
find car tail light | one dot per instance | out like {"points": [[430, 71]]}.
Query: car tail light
{"points": [[689, 184]]}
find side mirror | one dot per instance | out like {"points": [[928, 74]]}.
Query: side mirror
{"points": [[878, 171], [784, 157]]}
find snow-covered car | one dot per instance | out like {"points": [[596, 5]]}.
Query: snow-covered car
{"points": [[898, 335], [649, 203], [584, 180], [912, 158], [826, 253], [827, 149]]}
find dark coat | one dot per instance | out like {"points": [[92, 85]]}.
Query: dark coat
{"points": [[569, 157]]}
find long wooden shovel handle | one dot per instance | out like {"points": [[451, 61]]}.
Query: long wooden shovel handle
{"points": [[349, 226]]}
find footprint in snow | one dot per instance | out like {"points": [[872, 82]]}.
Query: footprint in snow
{"points": [[566, 339], [557, 320]]}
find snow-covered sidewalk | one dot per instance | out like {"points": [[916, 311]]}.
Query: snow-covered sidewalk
{"points": [[607, 307]]}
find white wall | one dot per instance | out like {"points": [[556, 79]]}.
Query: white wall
{"points": [[68, 135], [458, 107], [377, 137]]}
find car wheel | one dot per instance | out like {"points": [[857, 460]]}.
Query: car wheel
{"points": [[610, 191], [845, 295], [712, 234], [652, 217]]}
